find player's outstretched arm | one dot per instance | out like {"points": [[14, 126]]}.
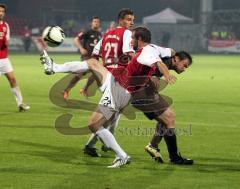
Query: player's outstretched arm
{"points": [[171, 79]]}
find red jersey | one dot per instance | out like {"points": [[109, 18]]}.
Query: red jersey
{"points": [[139, 70], [4, 37], [114, 46]]}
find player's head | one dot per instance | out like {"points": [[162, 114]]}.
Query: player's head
{"points": [[140, 37], [95, 25], [3, 10], [126, 18], [181, 61]]}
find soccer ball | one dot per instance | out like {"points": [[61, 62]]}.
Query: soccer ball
{"points": [[53, 36]]}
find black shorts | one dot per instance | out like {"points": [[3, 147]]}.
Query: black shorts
{"points": [[150, 102]]}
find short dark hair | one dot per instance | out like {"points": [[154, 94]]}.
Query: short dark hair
{"points": [[143, 33], [3, 6], [184, 55], [123, 12], [95, 17]]}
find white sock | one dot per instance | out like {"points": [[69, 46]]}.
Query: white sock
{"points": [[17, 94], [92, 140], [114, 123], [71, 67], [108, 139]]}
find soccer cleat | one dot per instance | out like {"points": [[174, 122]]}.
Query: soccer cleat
{"points": [[65, 94], [91, 151], [23, 107], [47, 63], [179, 160], [105, 149], [119, 162], [154, 153]]}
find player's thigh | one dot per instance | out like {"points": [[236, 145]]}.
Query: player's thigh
{"points": [[99, 71], [168, 117], [5, 66]]}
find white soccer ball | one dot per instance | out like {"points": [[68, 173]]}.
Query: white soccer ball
{"points": [[53, 36]]}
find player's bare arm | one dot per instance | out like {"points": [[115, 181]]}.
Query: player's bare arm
{"points": [[82, 50], [171, 79]]}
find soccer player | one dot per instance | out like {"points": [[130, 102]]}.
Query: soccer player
{"points": [[116, 51], [117, 86], [165, 128], [85, 41], [5, 64]]}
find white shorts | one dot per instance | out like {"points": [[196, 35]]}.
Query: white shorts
{"points": [[5, 66], [114, 97]]}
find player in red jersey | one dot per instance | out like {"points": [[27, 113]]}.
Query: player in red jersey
{"points": [[115, 47], [117, 86], [116, 50], [5, 64]]}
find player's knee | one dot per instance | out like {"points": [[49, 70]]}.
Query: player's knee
{"points": [[12, 81], [93, 125], [92, 63], [170, 118]]}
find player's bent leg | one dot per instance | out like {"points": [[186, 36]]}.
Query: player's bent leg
{"points": [[168, 117], [100, 73], [16, 92], [96, 123], [12, 79], [152, 148], [71, 84]]}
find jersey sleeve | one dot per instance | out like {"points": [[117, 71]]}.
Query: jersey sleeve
{"points": [[8, 32], [127, 38], [97, 48], [149, 56], [163, 52]]}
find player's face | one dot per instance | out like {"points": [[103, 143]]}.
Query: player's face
{"points": [[134, 41], [127, 22], [2, 13], [95, 24], [180, 65]]}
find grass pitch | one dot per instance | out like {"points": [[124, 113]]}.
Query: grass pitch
{"points": [[206, 100]]}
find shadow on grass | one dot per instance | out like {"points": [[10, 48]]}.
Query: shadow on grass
{"points": [[59, 154]]}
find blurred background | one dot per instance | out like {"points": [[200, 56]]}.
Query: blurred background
{"points": [[199, 26]]}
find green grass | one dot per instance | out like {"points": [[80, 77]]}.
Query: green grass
{"points": [[34, 155]]}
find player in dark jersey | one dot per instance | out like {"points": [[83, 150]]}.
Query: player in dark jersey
{"points": [[85, 41], [158, 105]]}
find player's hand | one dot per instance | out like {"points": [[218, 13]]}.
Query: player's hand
{"points": [[65, 94], [171, 79], [84, 92]]}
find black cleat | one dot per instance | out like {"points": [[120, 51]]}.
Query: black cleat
{"points": [[91, 151], [179, 160]]}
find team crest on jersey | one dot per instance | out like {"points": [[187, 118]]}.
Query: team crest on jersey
{"points": [[92, 36]]}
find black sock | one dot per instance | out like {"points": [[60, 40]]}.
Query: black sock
{"points": [[159, 133], [171, 141]]}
